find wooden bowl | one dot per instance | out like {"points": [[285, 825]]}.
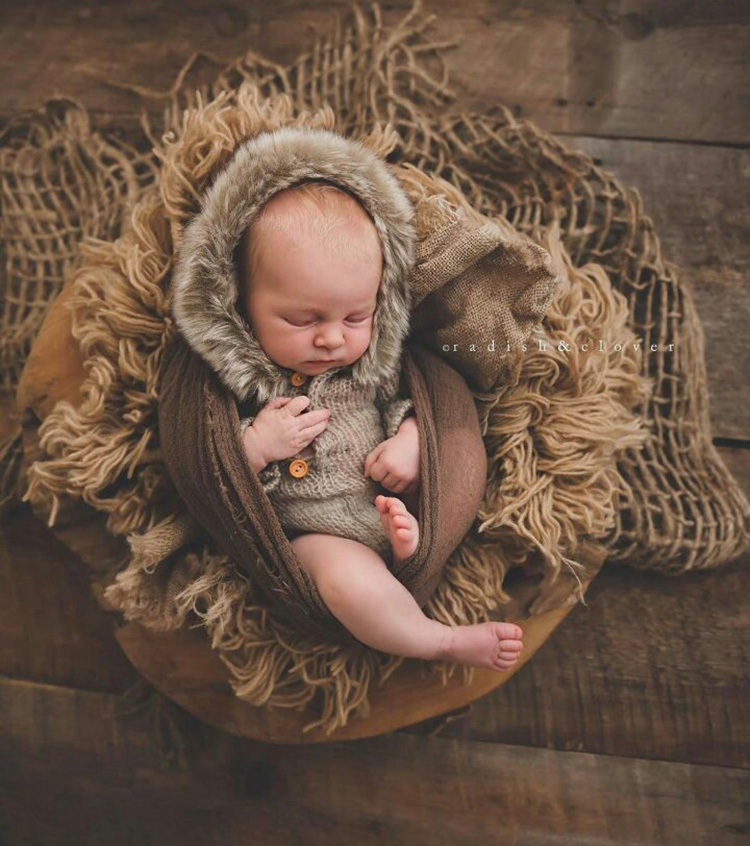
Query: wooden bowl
{"points": [[182, 665]]}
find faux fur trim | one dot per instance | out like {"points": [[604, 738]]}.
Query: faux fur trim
{"points": [[205, 287]]}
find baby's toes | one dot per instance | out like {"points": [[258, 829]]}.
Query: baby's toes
{"points": [[506, 655], [511, 646], [396, 507], [385, 505], [402, 524], [508, 631]]}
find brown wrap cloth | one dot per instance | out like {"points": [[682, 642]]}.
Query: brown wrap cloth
{"points": [[200, 436]]}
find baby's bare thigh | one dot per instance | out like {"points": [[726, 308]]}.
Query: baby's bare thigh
{"points": [[327, 555]]}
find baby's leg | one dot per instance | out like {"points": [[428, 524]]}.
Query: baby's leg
{"points": [[378, 610]]}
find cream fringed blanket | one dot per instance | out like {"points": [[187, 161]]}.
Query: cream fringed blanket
{"points": [[552, 440]]}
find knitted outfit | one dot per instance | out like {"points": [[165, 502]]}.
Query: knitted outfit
{"points": [[330, 494], [334, 496]]}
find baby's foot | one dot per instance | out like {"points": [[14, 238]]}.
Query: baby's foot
{"points": [[400, 526], [493, 645]]}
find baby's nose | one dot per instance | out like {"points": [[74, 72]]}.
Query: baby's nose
{"points": [[331, 337]]}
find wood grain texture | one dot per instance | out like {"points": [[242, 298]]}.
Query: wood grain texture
{"points": [[594, 67], [604, 688], [654, 667], [183, 667], [737, 459], [74, 772], [697, 195], [51, 628], [54, 369]]}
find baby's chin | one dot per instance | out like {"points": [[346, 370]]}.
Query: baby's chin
{"points": [[321, 366], [314, 366]]}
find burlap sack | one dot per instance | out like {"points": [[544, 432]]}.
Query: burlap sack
{"points": [[480, 286]]}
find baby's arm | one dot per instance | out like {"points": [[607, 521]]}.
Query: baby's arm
{"points": [[395, 407], [268, 472], [394, 462]]}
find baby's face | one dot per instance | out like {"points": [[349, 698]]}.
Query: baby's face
{"points": [[308, 303]]}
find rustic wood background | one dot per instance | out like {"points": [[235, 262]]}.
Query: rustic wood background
{"points": [[631, 724]]}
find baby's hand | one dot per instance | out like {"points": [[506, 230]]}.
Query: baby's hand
{"points": [[394, 463], [280, 430]]}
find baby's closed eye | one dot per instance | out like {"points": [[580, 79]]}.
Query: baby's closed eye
{"points": [[301, 324]]}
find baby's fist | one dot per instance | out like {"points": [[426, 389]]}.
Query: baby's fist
{"points": [[394, 463]]}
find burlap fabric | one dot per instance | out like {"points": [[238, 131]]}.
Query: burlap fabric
{"points": [[550, 439], [461, 310], [60, 182]]}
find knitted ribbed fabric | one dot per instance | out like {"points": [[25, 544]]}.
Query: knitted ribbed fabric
{"points": [[335, 497]]}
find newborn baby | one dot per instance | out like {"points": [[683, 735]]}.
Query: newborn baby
{"points": [[309, 269]]}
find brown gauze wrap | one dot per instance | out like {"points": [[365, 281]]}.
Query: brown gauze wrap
{"points": [[200, 436]]}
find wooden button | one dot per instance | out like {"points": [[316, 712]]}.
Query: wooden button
{"points": [[298, 468], [298, 379]]}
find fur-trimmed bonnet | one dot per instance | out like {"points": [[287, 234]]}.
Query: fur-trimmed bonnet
{"points": [[205, 289]]}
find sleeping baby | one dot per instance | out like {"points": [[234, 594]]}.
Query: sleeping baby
{"points": [[324, 443]]}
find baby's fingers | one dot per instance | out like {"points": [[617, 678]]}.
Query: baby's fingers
{"points": [[297, 405], [372, 458], [313, 418], [309, 433], [393, 483]]}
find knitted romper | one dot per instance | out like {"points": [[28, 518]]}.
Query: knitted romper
{"points": [[323, 488]]}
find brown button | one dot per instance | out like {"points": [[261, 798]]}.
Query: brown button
{"points": [[298, 468], [298, 379]]}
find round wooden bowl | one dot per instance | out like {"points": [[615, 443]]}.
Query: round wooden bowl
{"points": [[182, 665]]}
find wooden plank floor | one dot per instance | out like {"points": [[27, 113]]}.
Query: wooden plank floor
{"points": [[631, 724], [80, 772]]}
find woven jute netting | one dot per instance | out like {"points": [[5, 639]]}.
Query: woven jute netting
{"points": [[613, 444], [60, 182]]}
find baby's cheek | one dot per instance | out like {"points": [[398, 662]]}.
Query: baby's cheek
{"points": [[366, 337], [289, 343]]}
